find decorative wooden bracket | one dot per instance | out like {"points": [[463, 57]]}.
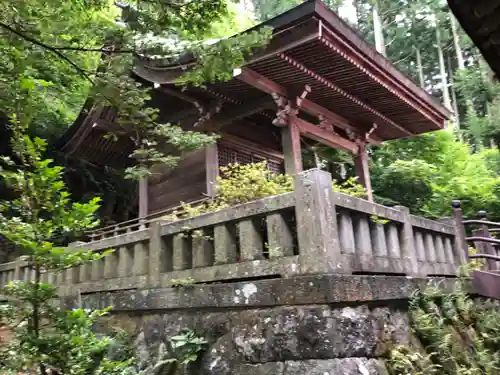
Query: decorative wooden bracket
{"points": [[326, 124], [369, 133], [207, 114], [284, 109], [300, 99], [357, 139], [352, 135]]}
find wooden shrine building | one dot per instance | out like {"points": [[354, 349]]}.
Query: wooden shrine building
{"points": [[316, 80]]}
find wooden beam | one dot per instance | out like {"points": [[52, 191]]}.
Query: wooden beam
{"points": [[290, 139], [361, 164], [180, 95], [325, 137], [342, 92], [237, 112], [264, 84]]}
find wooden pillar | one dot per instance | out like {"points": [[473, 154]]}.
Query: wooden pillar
{"points": [[212, 168], [143, 198], [290, 140], [362, 170]]}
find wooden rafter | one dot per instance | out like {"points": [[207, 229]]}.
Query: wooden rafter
{"points": [[264, 84], [351, 55], [220, 96], [342, 92]]}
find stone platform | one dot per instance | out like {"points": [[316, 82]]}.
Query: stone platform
{"points": [[314, 325]]}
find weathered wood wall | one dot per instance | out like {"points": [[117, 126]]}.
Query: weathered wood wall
{"points": [[262, 133], [187, 182], [193, 178]]}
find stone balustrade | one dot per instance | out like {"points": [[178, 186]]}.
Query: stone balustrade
{"points": [[312, 230]]}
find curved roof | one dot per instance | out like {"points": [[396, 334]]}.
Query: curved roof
{"points": [[350, 83], [312, 45]]}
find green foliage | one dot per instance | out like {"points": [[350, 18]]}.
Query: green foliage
{"points": [[35, 81], [349, 187], [236, 21], [475, 264], [46, 337], [216, 62], [187, 282], [244, 183], [452, 335], [182, 350], [426, 173], [410, 182], [240, 184], [268, 9], [187, 346], [48, 65], [404, 361], [378, 220]]}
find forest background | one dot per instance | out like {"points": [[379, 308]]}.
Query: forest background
{"points": [[48, 85]]}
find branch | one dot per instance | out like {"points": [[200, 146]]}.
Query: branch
{"points": [[101, 50], [162, 2], [81, 71]]}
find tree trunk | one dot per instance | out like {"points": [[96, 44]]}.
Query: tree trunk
{"points": [[420, 68], [442, 68], [456, 42], [378, 30], [469, 104], [355, 5], [487, 76], [454, 98]]}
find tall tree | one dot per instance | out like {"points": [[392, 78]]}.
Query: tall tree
{"points": [[378, 29], [442, 67], [265, 9]]}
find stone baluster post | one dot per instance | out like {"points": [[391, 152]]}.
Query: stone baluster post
{"points": [[156, 254], [319, 245], [408, 250]]}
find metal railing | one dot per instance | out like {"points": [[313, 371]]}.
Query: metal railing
{"points": [[481, 237], [486, 280], [136, 224]]}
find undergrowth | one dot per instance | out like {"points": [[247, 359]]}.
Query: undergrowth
{"points": [[451, 334]]}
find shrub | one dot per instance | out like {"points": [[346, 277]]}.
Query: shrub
{"points": [[45, 337], [238, 184]]}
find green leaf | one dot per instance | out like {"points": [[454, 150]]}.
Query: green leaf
{"points": [[27, 84]]}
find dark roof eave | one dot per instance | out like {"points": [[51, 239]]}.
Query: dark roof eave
{"points": [[471, 22], [317, 9]]}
